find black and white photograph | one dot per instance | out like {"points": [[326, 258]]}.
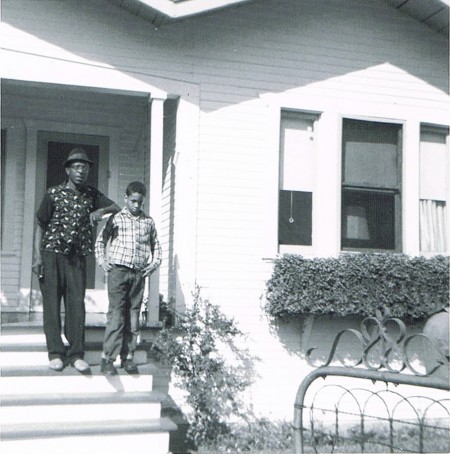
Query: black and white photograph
{"points": [[224, 226]]}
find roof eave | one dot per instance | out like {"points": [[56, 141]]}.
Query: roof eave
{"points": [[182, 9]]}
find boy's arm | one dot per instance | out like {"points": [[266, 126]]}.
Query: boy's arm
{"points": [[100, 245], [156, 251]]}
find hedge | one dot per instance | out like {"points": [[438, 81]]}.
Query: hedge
{"points": [[358, 284]]}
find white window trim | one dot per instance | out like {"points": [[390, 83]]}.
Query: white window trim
{"points": [[327, 232]]}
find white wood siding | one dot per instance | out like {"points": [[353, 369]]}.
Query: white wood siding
{"points": [[233, 70], [344, 52]]}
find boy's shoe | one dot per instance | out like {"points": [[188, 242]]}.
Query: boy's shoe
{"points": [[81, 365], [56, 364], [107, 367], [129, 366]]}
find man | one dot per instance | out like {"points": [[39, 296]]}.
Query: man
{"points": [[62, 241]]}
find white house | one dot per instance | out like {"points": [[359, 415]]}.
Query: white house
{"points": [[261, 127]]}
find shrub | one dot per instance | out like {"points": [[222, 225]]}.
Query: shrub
{"points": [[257, 435], [209, 366], [358, 284]]}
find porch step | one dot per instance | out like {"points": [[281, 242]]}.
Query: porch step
{"points": [[64, 408], [95, 329], [113, 436], [45, 411], [23, 345], [16, 350]]}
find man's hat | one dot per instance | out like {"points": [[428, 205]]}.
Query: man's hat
{"points": [[77, 154]]}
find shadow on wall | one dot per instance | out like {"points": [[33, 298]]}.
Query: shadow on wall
{"points": [[300, 334]]}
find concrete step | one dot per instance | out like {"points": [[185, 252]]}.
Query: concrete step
{"points": [[18, 356], [23, 349], [113, 436], [42, 380], [40, 408], [45, 411], [95, 328], [114, 444]]}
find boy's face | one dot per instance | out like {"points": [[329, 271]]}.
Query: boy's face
{"points": [[134, 203]]}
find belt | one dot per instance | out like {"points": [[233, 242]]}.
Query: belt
{"points": [[133, 270]]}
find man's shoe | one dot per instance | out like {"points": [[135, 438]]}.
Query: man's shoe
{"points": [[129, 366], [56, 364], [81, 365], [107, 367]]}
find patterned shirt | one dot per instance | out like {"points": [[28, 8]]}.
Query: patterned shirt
{"points": [[64, 217], [133, 241]]}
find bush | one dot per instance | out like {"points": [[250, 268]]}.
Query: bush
{"points": [[358, 284], [207, 365]]}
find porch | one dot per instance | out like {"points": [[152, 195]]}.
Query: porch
{"points": [[130, 135]]}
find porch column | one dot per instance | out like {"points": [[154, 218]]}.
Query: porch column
{"points": [[410, 188], [156, 108]]}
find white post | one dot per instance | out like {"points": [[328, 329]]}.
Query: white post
{"points": [[155, 192], [410, 188]]}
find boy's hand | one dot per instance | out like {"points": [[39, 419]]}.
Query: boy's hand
{"points": [[149, 269], [106, 266]]}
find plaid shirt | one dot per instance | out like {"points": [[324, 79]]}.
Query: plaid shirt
{"points": [[133, 241]]}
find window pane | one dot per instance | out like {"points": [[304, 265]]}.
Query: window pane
{"points": [[433, 189], [433, 165], [297, 173], [297, 152], [295, 218], [368, 220], [370, 153]]}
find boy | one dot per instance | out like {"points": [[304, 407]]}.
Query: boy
{"points": [[134, 253]]}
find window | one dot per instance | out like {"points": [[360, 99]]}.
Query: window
{"points": [[370, 216], [296, 178], [433, 189]]}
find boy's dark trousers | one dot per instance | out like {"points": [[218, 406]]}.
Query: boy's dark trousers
{"points": [[64, 277], [125, 292]]}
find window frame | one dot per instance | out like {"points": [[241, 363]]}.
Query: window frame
{"points": [[313, 116], [375, 188], [426, 127], [3, 188]]}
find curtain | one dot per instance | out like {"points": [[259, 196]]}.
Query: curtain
{"points": [[433, 226]]}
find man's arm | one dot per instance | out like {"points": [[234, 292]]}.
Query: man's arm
{"points": [[37, 259], [97, 215]]}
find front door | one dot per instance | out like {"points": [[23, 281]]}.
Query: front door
{"points": [[53, 149]]}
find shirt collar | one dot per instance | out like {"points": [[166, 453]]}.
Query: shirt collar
{"points": [[126, 211]]}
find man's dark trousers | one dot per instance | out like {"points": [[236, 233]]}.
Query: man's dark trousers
{"points": [[64, 277]]}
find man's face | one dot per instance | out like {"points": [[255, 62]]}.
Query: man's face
{"points": [[77, 172]]}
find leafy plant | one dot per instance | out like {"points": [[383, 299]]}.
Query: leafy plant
{"points": [[257, 435], [358, 284], [209, 365]]}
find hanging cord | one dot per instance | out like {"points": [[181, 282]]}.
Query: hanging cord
{"points": [[291, 219]]}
